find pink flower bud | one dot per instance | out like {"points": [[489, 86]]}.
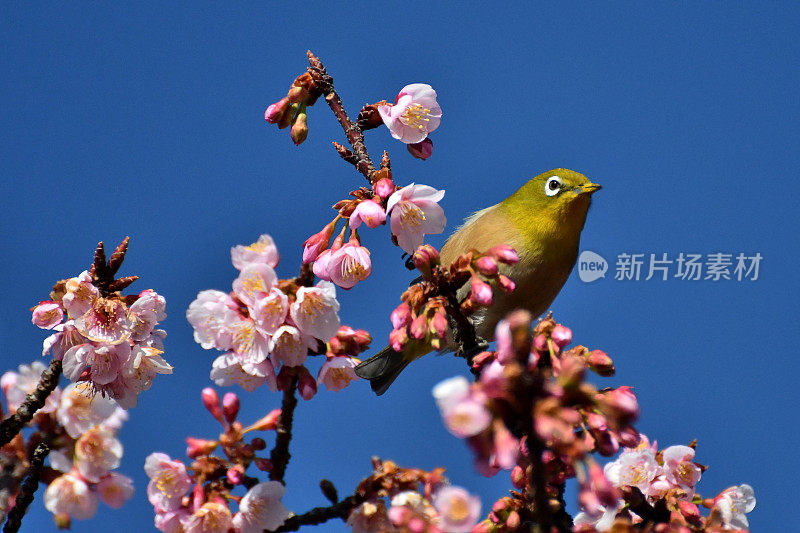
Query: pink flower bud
{"points": [[198, 447], [318, 242], [421, 150], [419, 327], [276, 111], [47, 314], [362, 338], [284, 378], [482, 359], [320, 267], [606, 492], [689, 510], [480, 292], [198, 496], [600, 362], [439, 324], [425, 258], [504, 254], [398, 338], [230, 406], [235, 475], [561, 335], [307, 386], [629, 437], [487, 265], [370, 213], [506, 283], [518, 478], [268, 422], [622, 403], [299, 131], [335, 346], [211, 402], [384, 187], [296, 94], [401, 316], [513, 521], [540, 343]]}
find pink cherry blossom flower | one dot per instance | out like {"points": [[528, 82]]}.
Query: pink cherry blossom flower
{"points": [[107, 321], [100, 364], [248, 342], [602, 520], [318, 243], [480, 292], [168, 481], [414, 115], [320, 267], [80, 410], [415, 212], [17, 385], [227, 370], [370, 213], [467, 418], [337, 372], [58, 343], [115, 489], [289, 346], [370, 517], [450, 392], [505, 447], [47, 314], [262, 251], [171, 521], [384, 187], [634, 467], [70, 495], [270, 310], [315, 311], [734, 503], [458, 509], [80, 293], [212, 517], [679, 468], [209, 314], [145, 313], [142, 366], [97, 452], [349, 264], [261, 508], [254, 279]]}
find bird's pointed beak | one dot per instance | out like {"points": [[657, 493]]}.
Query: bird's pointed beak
{"points": [[588, 188]]}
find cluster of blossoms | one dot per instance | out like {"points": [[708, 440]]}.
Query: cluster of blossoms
{"points": [[662, 482], [268, 327], [291, 110], [421, 320], [197, 499], [419, 502], [81, 431], [102, 337]]}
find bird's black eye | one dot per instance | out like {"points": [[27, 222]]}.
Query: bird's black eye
{"points": [[552, 186]]}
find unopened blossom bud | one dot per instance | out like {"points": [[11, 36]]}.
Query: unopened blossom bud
{"points": [[369, 212], [300, 128], [561, 335], [212, 404], [482, 359], [265, 465], [235, 475], [605, 491], [307, 385], [487, 265], [689, 510], [419, 327], [506, 283], [600, 362], [384, 187], [513, 521], [296, 94], [284, 378], [318, 242], [504, 254], [268, 422], [518, 478], [47, 314], [629, 437], [258, 444], [362, 338], [276, 111], [421, 150], [425, 258], [398, 338], [401, 316], [540, 343], [230, 406], [622, 403], [198, 495], [480, 292], [198, 447], [439, 324]]}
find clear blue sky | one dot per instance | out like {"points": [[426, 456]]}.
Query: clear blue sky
{"points": [[147, 121]]}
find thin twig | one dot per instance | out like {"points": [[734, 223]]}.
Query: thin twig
{"points": [[353, 133], [318, 515], [33, 402], [279, 457], [28, 489]]}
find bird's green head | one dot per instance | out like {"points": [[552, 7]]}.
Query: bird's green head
{"points": [[553, 204]]}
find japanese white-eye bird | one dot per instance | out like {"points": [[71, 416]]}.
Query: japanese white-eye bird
{"points": [[542, 221]]}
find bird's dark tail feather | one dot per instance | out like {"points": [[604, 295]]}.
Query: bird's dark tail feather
{"points": [[382, 369]]}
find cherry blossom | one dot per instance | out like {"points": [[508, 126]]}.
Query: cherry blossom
{"points": [[349, 264], [270, 310], [80, 410], [415, 212], [209, 315], [337, 372], [262, 251], [370, 213], [414, 115], [168, 481], [47, 314], [211, 517], [261, 508], [679, 468], [289, 346], [634, 467], [315, 311], [70, 495], [734, 503], [96, 453], [115, 489], [17, 385], [227, 370], [458, 509], [254, 279]]}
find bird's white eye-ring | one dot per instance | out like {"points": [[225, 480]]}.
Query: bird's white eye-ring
{"points": [[553, 186]]}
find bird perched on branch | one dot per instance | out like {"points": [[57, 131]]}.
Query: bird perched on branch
{"points": [[542, 221]]}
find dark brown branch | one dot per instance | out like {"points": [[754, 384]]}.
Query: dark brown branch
{"points": [[318, 515], [279, 457], [33, 402], [28, 489], [353, 133], [11, 476]]}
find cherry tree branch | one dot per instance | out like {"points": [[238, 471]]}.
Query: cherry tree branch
{"points": [[33, 402], [28, 489], [318, 515], [279, 456]]}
